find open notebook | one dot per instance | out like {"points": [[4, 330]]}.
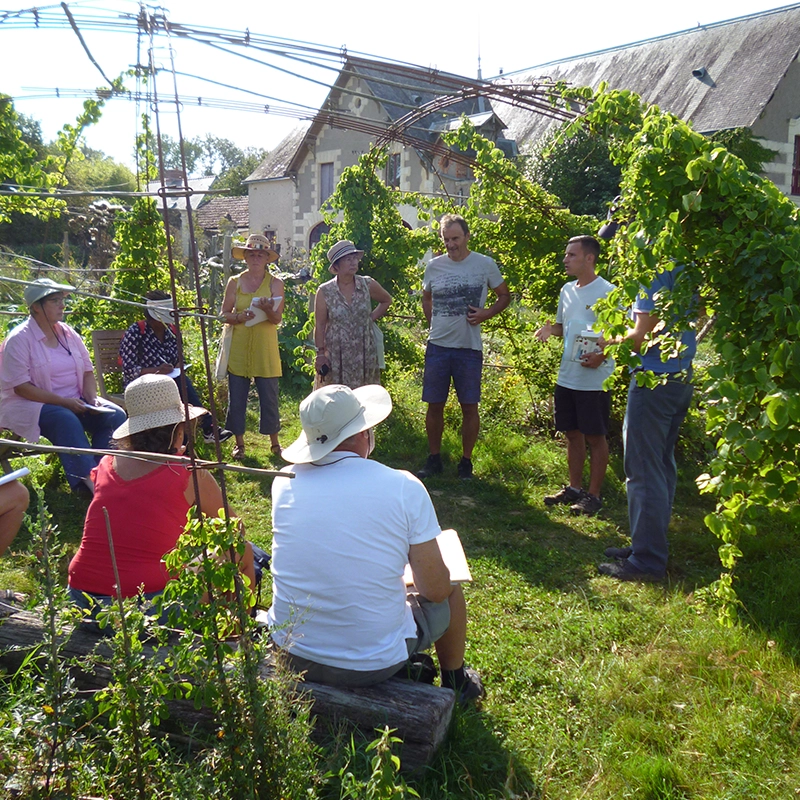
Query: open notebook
{"points": [[452, 555]]}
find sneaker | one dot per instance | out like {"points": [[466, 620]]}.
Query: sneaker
{"points": [[470, 691], [623, 570], [224, 435], [586, 504], [620, 553], [567, 496], [433, 466], [465, 469]]}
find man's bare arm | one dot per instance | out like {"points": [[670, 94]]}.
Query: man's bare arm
{"points": [[431, 576]]}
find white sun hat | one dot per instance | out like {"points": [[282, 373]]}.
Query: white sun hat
{"points": [[152, 401], [332, 414]]}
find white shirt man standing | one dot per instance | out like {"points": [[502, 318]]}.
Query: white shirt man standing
{"points": [[582, 408], [454, 292]]}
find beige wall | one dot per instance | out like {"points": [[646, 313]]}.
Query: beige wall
{"points": [[777, 126], [270, 205]]}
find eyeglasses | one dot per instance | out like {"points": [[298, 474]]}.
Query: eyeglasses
{"points": [[57, 299]]}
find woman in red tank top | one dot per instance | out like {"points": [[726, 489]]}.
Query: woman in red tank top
{"points": [[146, 501]]}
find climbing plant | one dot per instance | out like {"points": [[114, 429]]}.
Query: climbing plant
{"points": [[688, 201]]}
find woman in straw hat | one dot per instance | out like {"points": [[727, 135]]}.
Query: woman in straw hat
{"points": [[47, 384], [344, 330], [253, 305], [146, 501]]}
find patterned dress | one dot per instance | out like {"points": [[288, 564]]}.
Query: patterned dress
{"points": [[348, 336]]}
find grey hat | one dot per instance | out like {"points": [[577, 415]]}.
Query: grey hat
{"points": [[44, 287], [334, 413], [341, 249]]}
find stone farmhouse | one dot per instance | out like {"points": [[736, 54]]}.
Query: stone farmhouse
{"points": [[742, 72], [288, 188]]}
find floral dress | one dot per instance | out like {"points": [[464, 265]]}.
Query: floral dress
{"points": [[349, 337]]}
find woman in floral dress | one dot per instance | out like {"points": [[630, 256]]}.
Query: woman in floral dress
{"points": [[343, 330]]}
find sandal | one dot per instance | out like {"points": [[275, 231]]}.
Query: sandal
{"points": [[238, 453], [277, 449]]}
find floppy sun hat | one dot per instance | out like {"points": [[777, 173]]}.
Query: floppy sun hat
{"points": [[153, 401], [332, 414], [44, 287], [255, 242], [341, 249]]}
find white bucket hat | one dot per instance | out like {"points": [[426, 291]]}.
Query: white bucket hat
{"points": [[44, 287], [153, 401], [332, 414], [255, 242]]}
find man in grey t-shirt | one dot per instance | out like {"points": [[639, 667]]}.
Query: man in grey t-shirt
{"points": [[454, 292]]}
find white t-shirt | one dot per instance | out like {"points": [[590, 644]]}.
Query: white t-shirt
{"points": [[575, 314], [341, 533], [454, 286]]}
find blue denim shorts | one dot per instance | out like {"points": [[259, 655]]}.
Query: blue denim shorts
{"points": [[463, 365]]}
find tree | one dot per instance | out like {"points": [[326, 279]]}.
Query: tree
{"points": [[233, 178], [23, 170], [575, 166]]}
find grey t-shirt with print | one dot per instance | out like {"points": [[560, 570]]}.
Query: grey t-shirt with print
{"points": [[454, 287]]}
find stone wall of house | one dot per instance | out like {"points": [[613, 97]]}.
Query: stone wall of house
{"points": [[271, 209], [778, 125]]}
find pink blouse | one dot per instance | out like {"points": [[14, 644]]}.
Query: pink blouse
{"points": [[25, 358]]}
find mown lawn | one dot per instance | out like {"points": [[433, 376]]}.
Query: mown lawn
{"points": [[595, 689]]}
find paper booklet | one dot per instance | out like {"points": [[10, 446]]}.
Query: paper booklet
{"points": [[259, 315], [15, 475], [453, 557], [585, 342]]}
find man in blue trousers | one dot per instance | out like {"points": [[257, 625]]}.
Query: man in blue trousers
{"points": [[652, 420]]}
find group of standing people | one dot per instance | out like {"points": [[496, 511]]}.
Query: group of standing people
{"points": [[47, 385]]}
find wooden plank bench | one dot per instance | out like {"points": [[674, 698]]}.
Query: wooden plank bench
{"points": [[419, 713]]}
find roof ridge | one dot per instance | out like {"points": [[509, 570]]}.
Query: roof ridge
{"points": [[660, 38]]}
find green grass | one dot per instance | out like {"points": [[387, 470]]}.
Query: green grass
{"points": [[595, 689]]}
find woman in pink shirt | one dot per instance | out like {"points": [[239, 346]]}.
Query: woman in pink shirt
{"points": [[47, 384]]}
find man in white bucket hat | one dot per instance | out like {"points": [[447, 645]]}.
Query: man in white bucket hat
{"points": [[344, 529]]}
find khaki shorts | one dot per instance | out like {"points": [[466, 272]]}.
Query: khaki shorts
{"points": [[432, 620]]}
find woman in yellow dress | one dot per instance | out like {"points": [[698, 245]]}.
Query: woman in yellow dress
{"points": [[253, 305]]}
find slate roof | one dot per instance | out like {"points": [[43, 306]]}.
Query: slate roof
{"points": [[234, 208], [399, 88], [276, 164], [745, 59]]}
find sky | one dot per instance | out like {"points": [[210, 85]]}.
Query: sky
{"points": [[507, 37]]}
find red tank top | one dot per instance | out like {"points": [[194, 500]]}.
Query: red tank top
{"points": [[147, 515]]}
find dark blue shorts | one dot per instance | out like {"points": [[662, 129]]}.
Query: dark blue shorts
{"points": [[587, 412], [463, 365]]}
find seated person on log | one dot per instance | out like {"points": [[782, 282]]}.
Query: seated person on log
{"points": [[150, 347], [344, 529], [47, 385], [146, 501]]}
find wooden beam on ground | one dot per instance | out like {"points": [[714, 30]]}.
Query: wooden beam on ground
{"points": [[419, 713]]}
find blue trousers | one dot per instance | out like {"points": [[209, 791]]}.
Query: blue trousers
{"points": [[652, 420], [238, 389], [63, 427], [193, 398]]}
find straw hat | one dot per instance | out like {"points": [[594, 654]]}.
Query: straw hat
{"points": [[332, 414], [44, 287], [152, 402], [341, 249], [255, 242]]}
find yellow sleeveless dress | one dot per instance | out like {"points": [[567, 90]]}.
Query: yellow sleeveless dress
{"points": [[254, 349]]}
